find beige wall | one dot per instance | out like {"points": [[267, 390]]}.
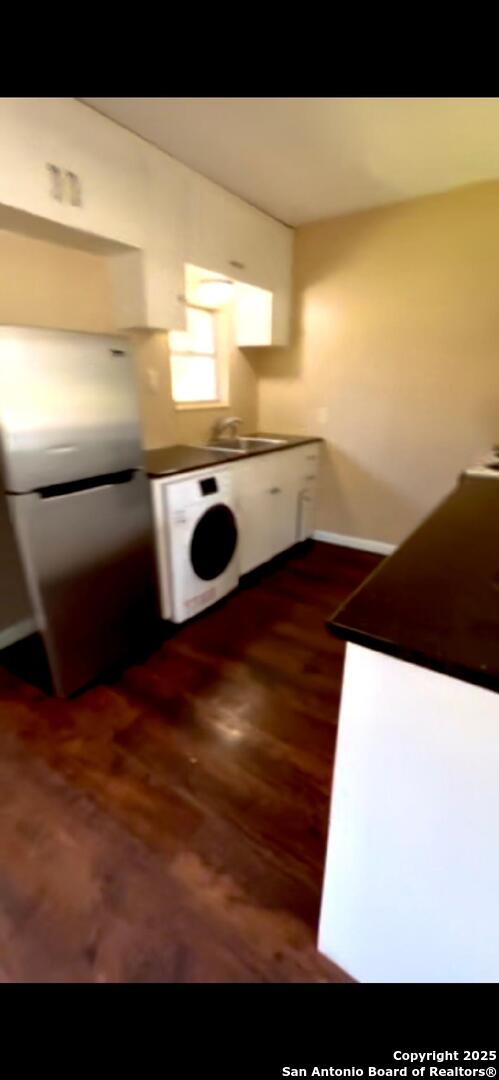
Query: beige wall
{"points": [[46, 284], [397, 337]]}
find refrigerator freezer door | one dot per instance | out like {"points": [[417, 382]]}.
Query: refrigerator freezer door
{"points": [[68, 407], [89, 562]]}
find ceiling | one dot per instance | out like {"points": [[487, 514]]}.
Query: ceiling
{"points": [[303, 159]]}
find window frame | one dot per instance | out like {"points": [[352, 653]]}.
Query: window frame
{"points": [[221, 368]]}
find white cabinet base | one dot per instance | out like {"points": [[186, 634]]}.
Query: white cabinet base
{"points": [[411, 886]]}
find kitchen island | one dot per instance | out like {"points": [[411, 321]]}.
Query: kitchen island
{"points": [[411, 885]]}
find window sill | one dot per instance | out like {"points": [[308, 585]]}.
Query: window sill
{"points": [[193, 406]]}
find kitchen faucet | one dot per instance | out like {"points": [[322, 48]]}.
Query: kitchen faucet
{"points": [[228, 422]]}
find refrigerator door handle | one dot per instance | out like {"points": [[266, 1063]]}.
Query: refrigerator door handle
{"points": [[94, 483]]}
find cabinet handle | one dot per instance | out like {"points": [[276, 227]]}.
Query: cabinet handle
{"points": [[236, 264], [74, 188], [55, 181], [275, 491]]}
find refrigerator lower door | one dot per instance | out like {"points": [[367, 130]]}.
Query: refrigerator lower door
{"points": [[16, 615], [89, 563]]}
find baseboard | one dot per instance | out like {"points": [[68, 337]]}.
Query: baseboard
{"points": [[377, 547], [19, 630]]}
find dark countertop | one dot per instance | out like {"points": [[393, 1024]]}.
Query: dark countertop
{"points": [[168, 460], [178, 459], [435, 601]]}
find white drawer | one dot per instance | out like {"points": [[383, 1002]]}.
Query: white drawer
{"points": [[311, 453], [305, 461]]}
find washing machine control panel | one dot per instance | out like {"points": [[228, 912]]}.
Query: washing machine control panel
{"points": [[186, 493], [209, 486]]}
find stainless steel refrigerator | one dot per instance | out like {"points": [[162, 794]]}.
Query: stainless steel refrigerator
{"points": [[77, 495]]}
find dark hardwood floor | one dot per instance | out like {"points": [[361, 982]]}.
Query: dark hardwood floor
{"points": [[170, 824]]}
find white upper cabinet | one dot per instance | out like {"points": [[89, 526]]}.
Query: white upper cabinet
{"points": [[106, 161], [149, 285], [233, 238], [25, 152], [168, 201], [230, 236], [63, 162], [264, 248], [207, 237], [191, 220]]}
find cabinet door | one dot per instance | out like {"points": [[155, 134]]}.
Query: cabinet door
{"points": [[261, 255], [254, 512], [164, 288], [170, 209], [284, 494], [234, 239], [305, 514], [101, 183], [249, 243], [267, 508], [305, 461], [209, 239], [107, 163], [149, 285], [27, 149], [282, 265], [252, 239]]}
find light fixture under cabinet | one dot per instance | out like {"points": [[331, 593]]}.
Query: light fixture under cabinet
{"points": [[214, 292]]}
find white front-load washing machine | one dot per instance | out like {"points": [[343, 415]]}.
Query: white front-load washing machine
{"points": [[202, 540]]}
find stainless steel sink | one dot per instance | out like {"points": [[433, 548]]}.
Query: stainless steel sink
{"points": [[244, 443]]}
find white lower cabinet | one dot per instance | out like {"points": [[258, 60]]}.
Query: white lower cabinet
{"points": [[305, 514], [305, 465], [255, 543], [267, 492], [272, 513]]}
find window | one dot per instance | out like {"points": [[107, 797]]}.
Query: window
{"points": [[194, 365]]}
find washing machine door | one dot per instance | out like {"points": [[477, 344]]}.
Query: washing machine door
{"points": [[213, 542]]}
